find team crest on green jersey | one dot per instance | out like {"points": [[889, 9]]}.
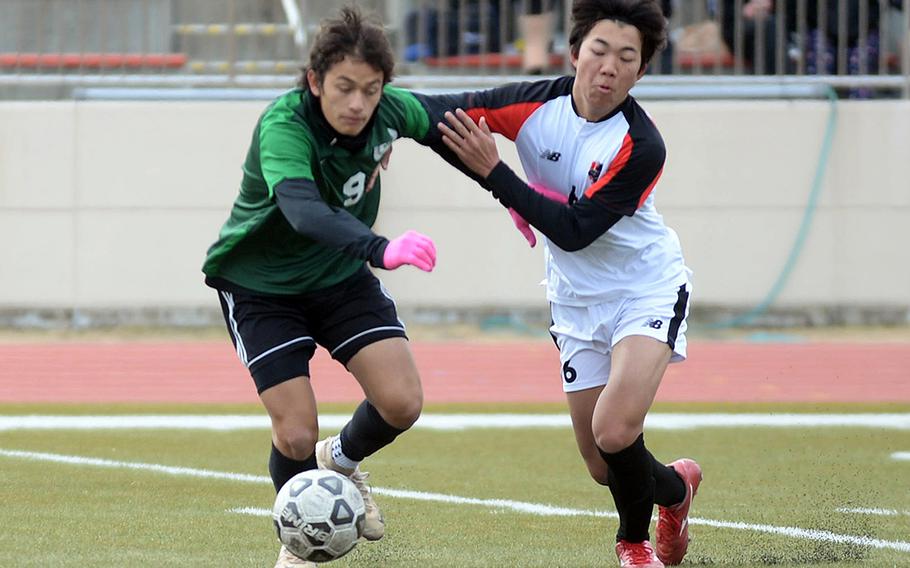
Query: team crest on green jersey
{"points": [[380, 150]]}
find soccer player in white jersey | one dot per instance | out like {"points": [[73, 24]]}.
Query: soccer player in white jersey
{"points": [[616, 279]]}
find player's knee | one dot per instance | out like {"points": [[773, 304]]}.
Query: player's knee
{"points": [[617, 438], [296, 442], [404, 411]]}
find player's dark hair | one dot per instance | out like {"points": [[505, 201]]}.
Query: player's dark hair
{"points": [[646, 15], [351, 34]]}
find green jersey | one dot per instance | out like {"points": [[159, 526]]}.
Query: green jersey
{"points": [[258, 249]]}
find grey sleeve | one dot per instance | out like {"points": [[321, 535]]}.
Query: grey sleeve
{"points": [[305, 210]]}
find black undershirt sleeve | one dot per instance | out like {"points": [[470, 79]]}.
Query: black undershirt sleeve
{"points": [[303, 207], [505, 108], [436, 107], [570, 227]]}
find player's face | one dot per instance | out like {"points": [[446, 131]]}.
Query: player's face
{"points": [[348, 95], [607, 66]]}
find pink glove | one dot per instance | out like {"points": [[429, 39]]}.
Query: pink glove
{"points": [[410, 248], [523, 227]]}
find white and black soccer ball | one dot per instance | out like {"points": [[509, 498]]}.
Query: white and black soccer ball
{"points": [[319, 515]]}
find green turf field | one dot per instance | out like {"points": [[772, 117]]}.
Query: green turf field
{"points": [[772, 496]]}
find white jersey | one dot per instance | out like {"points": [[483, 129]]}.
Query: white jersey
{"points": [[636, 255], [618, 243]]}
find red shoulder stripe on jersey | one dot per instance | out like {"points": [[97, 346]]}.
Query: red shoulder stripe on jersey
{"points": [[618, 163], [505, 120], [647, 192]]}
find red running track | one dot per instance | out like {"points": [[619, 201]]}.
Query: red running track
{"points": [[457, 371]]}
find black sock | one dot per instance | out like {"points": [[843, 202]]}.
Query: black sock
{"points": [[282, 468], [632, 485], [366, 433], [669, 488]]}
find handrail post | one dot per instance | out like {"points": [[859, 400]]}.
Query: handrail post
{"points": [[905, 51], [232, 40]]}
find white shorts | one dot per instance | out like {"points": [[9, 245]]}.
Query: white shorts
{"points": [[586, 335]]}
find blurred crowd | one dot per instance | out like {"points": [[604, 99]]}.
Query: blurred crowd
{"points": [[745, 35], [758, 25]]}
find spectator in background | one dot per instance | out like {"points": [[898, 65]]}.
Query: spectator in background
{"points": [[823, 41], [427, 38], [821, 47], [536, 27], [429, 34], [666, 54], [759, 29]]}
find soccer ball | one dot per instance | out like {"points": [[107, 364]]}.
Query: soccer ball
{"points": [[319, 515]]}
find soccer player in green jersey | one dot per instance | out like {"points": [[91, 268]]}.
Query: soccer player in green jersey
{"points": [[290, 262]]}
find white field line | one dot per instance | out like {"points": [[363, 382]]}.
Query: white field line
{"points": [[872, 511], [656, 421], [156, 468], [496, 504], [254, 511], [903, 456]]}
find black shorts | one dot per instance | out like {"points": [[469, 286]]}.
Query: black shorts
{"points": [[276, 336]]}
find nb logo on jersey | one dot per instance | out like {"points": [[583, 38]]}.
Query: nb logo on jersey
{"points": [[551, 155], [654, 323]]}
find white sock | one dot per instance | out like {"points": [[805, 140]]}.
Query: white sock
{"points": [[339, 457]]}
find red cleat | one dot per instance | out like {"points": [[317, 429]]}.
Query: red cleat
{"points": [[637, 555], [673, 522]]}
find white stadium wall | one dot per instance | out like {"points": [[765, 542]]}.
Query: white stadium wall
{"points": [[110, 206]]}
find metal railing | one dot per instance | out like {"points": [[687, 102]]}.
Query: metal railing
{"points": [[861, 47]]}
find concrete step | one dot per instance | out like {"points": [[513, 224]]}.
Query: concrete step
{"points": [[264, 66], [265, 29]]}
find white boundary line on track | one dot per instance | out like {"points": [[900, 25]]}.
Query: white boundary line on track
{"points": [[518, 506], [902, 456], [656, 421]]}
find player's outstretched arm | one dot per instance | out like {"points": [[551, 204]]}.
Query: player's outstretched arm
{"points": [[570, 228], [303, 207], [505, 108]]}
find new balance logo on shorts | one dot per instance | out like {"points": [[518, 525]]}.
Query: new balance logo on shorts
{"points": [[653, 323]]}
